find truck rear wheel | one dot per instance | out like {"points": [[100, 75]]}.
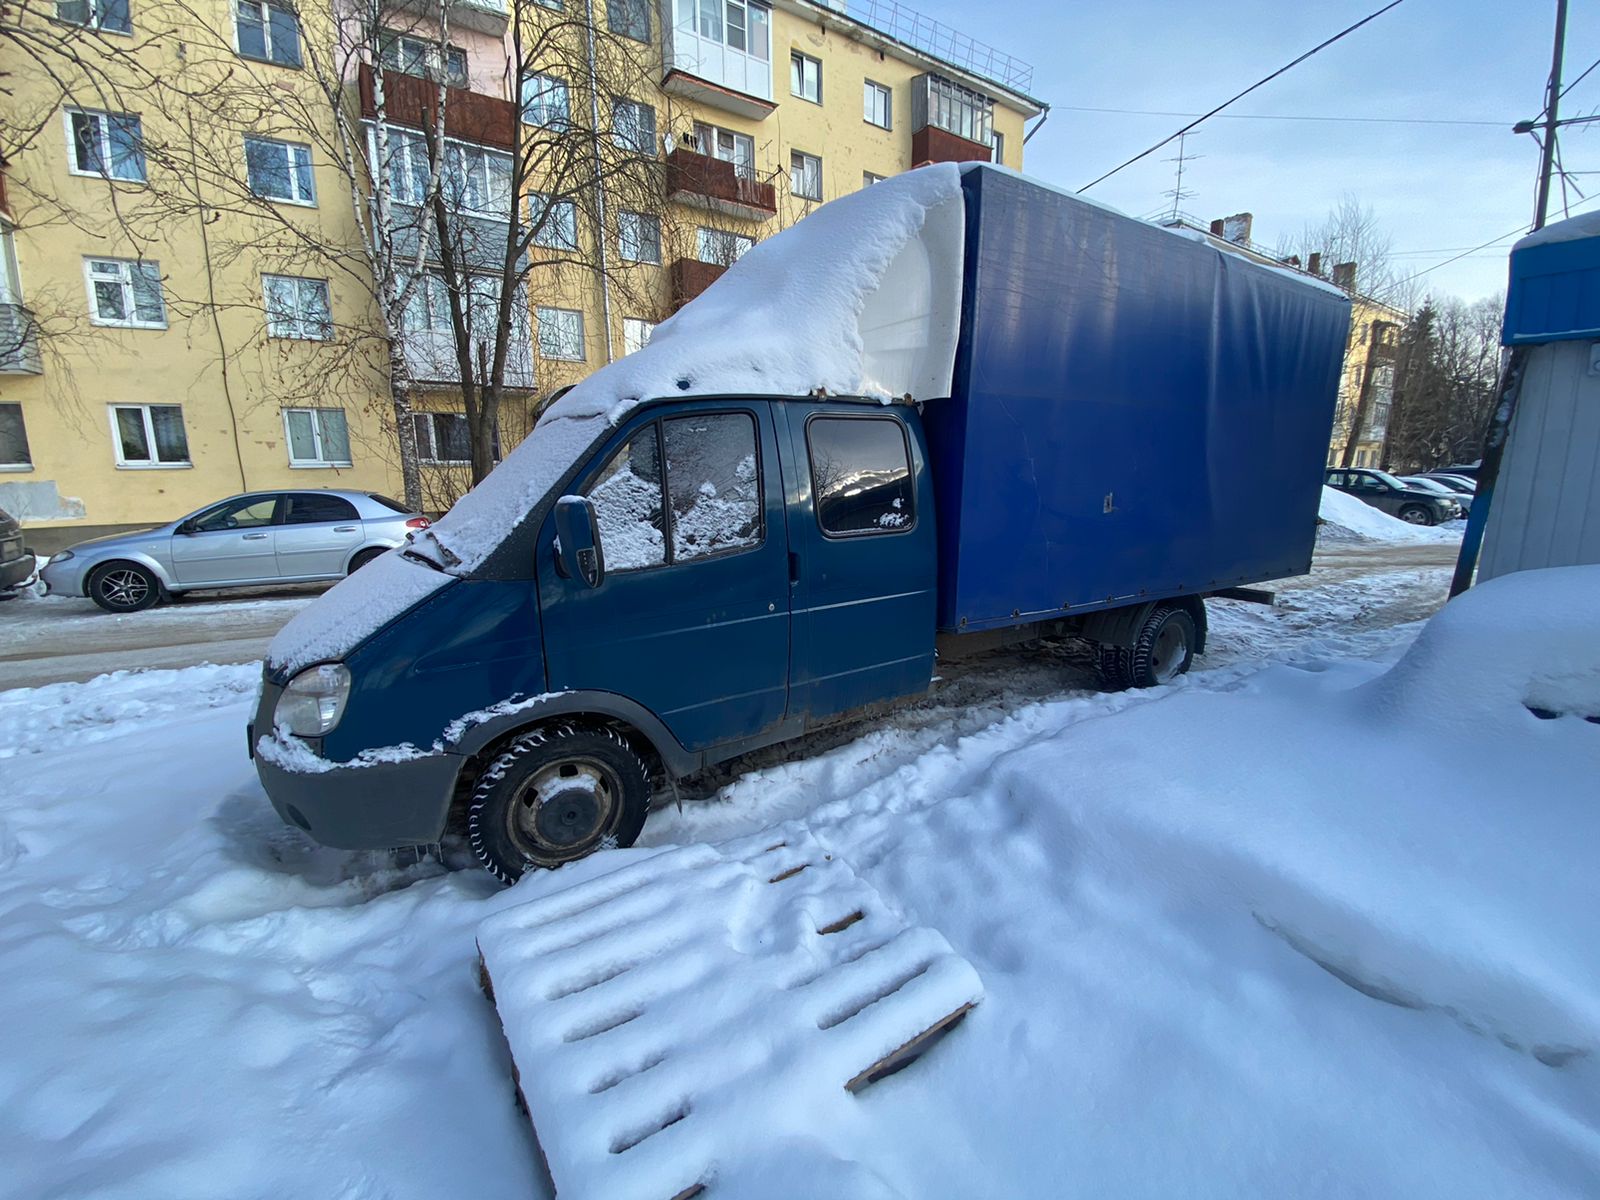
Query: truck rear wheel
{"points": [[555, 795], [1163, 650]]}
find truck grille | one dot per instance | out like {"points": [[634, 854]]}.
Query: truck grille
{"points": [[10, 548]]}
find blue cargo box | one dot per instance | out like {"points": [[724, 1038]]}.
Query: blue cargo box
{"points": [[1135, 414]]}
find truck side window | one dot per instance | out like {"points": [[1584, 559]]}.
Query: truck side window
{"points": [[861, 473], [627, 505], [713, 484]]}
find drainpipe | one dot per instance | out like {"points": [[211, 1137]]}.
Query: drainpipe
{"points": [[1043, 117], [599, 179]]}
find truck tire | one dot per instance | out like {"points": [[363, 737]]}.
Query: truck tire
{"points": [[554, 795], [124, 587], [1163, 650], [1416, 514]]}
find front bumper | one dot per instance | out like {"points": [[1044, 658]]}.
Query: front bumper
{"points": [[377, 807], [16, 572], [63, 579]]}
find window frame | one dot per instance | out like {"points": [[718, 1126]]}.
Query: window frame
{"points": [[96, 17], [126, 283], [624, 142], [322, 460], [642, 222], [646, 324], [638, 8], [434, 68], [727, 236], [811, 476], [870, 87], [798, 62], [262, 7], [289, 148], [552, 221], [25, 464], [658, 424], [997, 147], [102, 118], [300, 317], [868, 178], [559, 122], [155, 463], [428, 456], [538, 326], [796, 192]]}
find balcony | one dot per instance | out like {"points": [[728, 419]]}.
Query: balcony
{"points": [[19, 342], [690, 277], [431, 358], [702, 181], [932, 145], [468, 115], [486, 16]]}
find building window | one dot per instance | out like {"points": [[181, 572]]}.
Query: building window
{"points": [[408, 165], [110, 145], [149, 435], [636, 333], [877, 105], [805, 175], [14, 455], [297, 308], [633, 126], [861, 475], [552, 5], [318, 437], [420, 57], [280, 170], [720, 247], [545, 101], [267, 32], [805, 77], [555, 226], [639, 237], [442, 437], [997, 148], [561, 334], [125, 292], [630, 18], [740, 25], [108, 16], [476, 179], [951, 107], [737, 148], [868, 179]]}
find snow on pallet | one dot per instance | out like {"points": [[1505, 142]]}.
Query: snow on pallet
{"points": [[685, 1010]]}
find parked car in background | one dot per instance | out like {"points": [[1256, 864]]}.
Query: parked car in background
{"points": [[16, 562], [1452, 481], [1460, 498], [249, 540], [1464, 470], [1419, 506]]}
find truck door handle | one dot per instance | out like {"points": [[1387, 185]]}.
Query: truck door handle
{"points": [[344, 528], [794, 567], [254, 537]]}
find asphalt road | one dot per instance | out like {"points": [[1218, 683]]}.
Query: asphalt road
{"points": [[59, 640]]}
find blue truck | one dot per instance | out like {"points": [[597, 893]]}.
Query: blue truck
{"points": [[1136, 421]]}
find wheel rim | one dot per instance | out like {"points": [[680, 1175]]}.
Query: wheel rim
{"points": [[124, 588], [1414, 516], [564, 810], [1167, 655]]}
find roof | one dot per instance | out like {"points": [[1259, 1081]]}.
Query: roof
{"points": [[1554, 293]]}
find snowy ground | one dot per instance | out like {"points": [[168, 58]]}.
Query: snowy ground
{"points": [[1298, 930]]}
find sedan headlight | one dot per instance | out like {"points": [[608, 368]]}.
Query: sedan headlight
{"points": [[63, 556], [314, 700]]}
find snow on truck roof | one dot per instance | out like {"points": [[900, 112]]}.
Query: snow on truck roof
{"points": [[860, 298]]}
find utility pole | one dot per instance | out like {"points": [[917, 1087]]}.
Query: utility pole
{"points": [[1547, 156]]}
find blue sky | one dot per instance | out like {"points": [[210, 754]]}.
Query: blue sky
{"points": [[1436, 188]]}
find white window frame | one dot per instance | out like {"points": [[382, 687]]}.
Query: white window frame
{"points": [[753, 14], [804, 168], [22, 419], [289, 149], [427, 52], [103, 144], [321, 459], [729, 146], [302, 322], [639, 248], [636, 333], [476, 160], [429, 453], [560, 228], [125, 279], [627, 141], [262, 7], [548, 85], [95, 16], [868, 178], [740, 243], [154, 464], [871, 94], [997, 147], [539, 327], [798, 65]]}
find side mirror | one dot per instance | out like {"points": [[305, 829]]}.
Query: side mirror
{"points": [[185, 528], [578, 532]]}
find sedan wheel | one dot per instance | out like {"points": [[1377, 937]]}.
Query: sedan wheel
{"points": [[124, 588]]}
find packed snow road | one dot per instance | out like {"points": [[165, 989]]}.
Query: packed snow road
{"points": [[1305, 930]]}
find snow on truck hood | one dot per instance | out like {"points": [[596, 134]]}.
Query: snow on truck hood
{"points": [[862, 297]]}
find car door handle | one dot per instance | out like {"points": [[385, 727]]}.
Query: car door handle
{"points": [[344, 528], [254, 537]]}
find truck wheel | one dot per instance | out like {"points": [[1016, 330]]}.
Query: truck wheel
{"points": [[555, 795], [124, 587], [1163, 650], [1415, 514]]}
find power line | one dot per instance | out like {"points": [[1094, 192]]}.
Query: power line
{"points": [[1151, 112], [1259, 83], [1517, 232]]}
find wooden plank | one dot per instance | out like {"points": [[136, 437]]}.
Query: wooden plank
{"points": [[902, 1057]]}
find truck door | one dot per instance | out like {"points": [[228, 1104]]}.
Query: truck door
{"points": [[863, 557], [691, 619]]}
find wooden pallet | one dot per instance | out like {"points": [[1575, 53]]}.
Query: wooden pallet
{"points": [[655, 1014]]}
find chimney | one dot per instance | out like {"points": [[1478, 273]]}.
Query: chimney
{"points": [[1314, 264], [1237, 228], [1344, 276], [1292, 261], [1216, 228]]}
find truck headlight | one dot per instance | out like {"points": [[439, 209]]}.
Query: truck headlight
{"points": [[313, 701]]}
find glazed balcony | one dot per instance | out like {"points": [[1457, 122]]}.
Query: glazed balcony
{"points": [[702, 181], [690, 277], [485, 16], [411, 100]]}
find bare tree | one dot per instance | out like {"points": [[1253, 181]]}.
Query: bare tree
{"points": [[1446, 371], [1352, 233]]}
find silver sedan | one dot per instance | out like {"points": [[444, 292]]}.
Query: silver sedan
{"points": [[259, 538]]}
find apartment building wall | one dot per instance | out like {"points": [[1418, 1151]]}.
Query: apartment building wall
{"points": [[1368, 363]]}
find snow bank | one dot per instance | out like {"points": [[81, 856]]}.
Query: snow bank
{"points": [[1354, 517], [1584, 225]]}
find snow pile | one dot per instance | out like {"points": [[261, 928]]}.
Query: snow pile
{"points": [[1349, 516], [653, 1010], [1573, 229]]}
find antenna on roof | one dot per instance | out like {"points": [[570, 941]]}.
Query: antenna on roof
{"points": [[1178, 193]]}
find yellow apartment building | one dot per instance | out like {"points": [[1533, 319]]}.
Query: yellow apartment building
{"points": [[186, 311]]}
